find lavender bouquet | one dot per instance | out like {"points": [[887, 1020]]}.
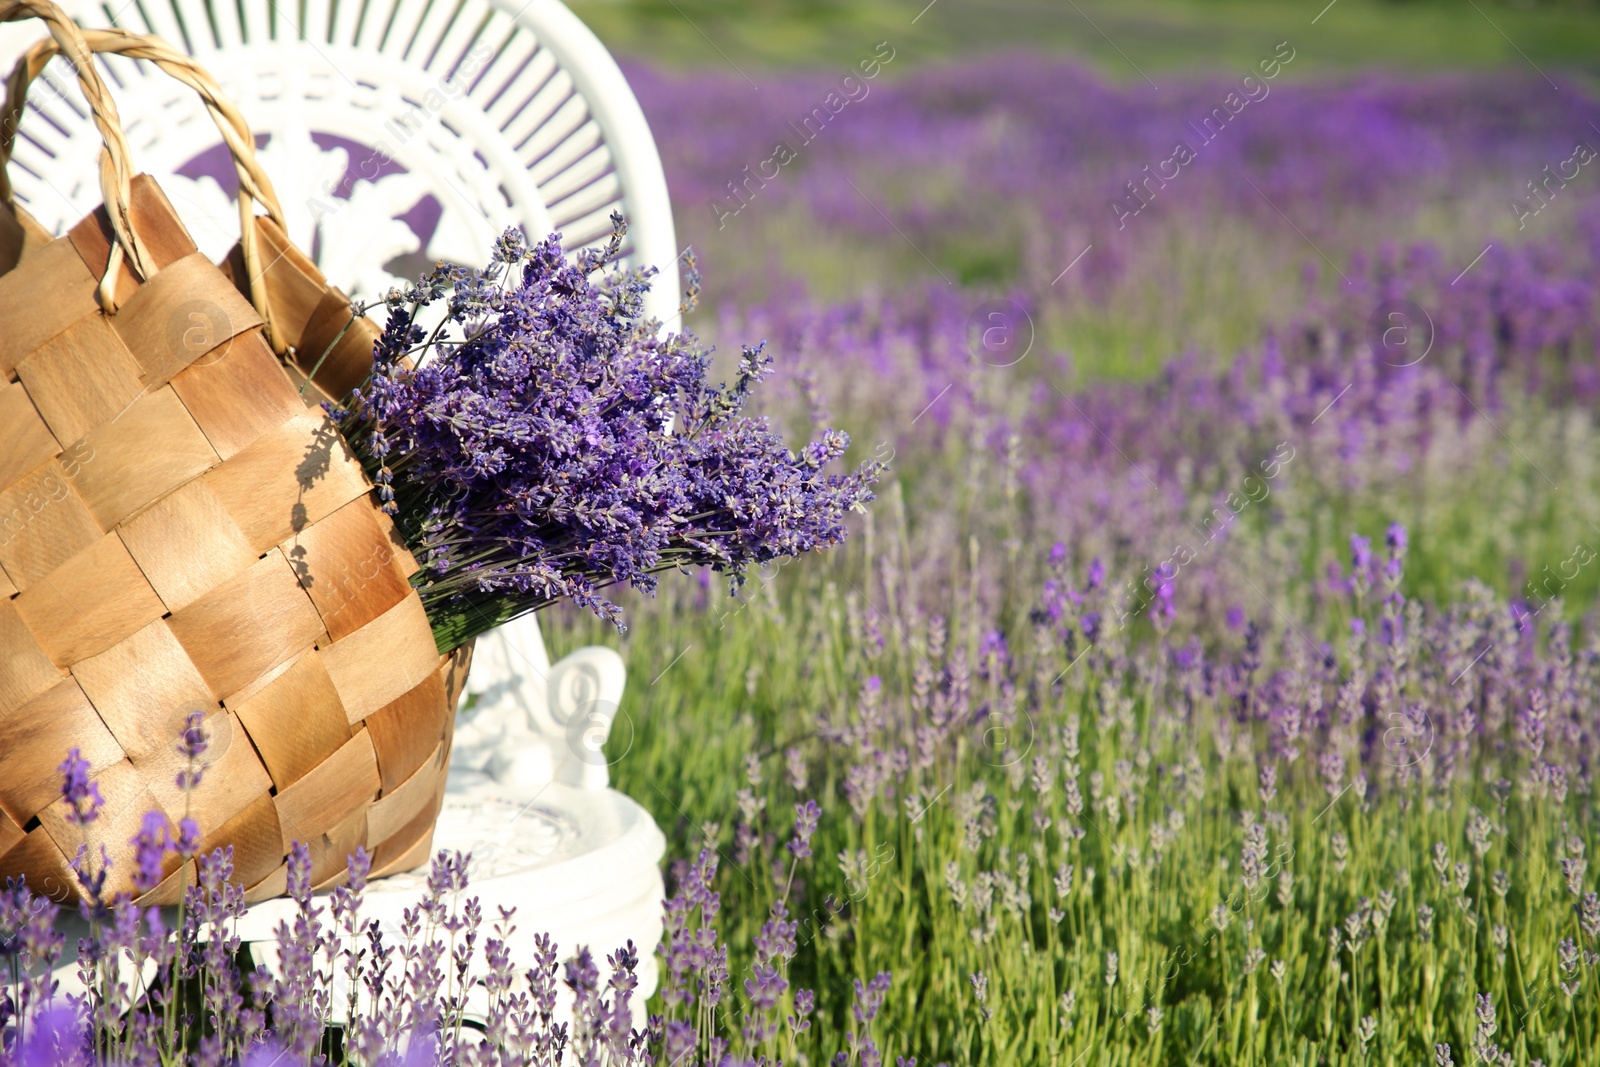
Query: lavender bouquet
{"points": [[538, 441]]}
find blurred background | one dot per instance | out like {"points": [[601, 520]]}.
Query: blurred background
{"points": [[1166, 310], [1029, 154]]}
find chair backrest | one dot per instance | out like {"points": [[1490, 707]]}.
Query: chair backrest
{"points": [[398, 132]]}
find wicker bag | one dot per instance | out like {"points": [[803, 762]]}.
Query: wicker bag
{"points": [[181, 530]]}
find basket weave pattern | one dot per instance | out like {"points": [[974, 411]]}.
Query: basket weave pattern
{"points": [[180, 531]]}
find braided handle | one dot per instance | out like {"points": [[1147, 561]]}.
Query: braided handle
{"points": [[78, 45]]}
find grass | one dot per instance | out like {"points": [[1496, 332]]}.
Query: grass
{"points": [[722, 690], [1121, 39], [761, 679]]}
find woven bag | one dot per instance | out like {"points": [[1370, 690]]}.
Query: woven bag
{"points": [[181, 529]]}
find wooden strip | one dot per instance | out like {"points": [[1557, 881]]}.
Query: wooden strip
{"points": [[453, 670], [159, 227], [25, 441], [397, 807], [89, 603], [342, 786], [295, 287], [417, 855], [25, 668], [12, 239], [407, 731], [39, 862], [347, 564], [275, 884], [43, 523], [35, 236], [185, 312], [231, 779], [238, 393], [384, 660], [80, 378], [11, 834], [36, 737], [411, 846], [126, 803], [187, 544], [170, 891], [256, 840], [290, 478], [331, 852], [144, 689], [52, 293], [344, 347], [297, 721], [147, 452], [249, 692], [408, 563], [248, 625]]}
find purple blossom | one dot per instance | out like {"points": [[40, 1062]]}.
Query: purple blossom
{"points": [[1395, 538], [1360, 552], [56, 1037], [805, 824], [82, 796], [151, 846], [192, 745], [994, 655], [563, 447]]}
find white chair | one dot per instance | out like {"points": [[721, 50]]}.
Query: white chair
{"points": [[399, 133]]}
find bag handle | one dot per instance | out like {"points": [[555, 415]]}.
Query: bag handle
{"points": [[78, 46]]}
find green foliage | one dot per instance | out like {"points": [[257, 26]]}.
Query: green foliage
{"points": [[1113, 35]]}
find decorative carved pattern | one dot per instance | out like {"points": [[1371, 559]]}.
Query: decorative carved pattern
{"points": [[503, 836]]}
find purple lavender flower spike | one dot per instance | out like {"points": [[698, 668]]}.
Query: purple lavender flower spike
{"points": [[58, 1036], [1395, 539], [151, 846], [1360, 552], [564, 448], [82, 796], [805, 825], [192, 745]]}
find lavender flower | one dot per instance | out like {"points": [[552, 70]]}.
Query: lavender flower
{"points": [[1360, 552], [82, 796], [561, 447], [191, 746], [151, 846], [805, 825]]}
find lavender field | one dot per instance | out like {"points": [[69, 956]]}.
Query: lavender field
{"points": [[1212, 677], [1214, 680]]}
